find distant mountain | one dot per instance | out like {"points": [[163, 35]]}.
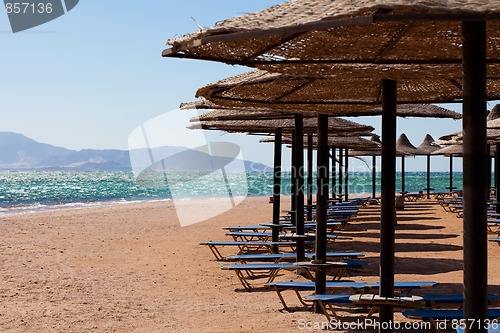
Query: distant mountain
{"points": [[18, 152]]}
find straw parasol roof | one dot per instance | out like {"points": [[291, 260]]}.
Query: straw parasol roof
{"points": [[457, 150], [241, 114], [403, 145], [222, 113], [340, 95], [351, 142], [385, 38], [335, 125], [494, 113], [493, 124], [492, 135], [428, 145]]}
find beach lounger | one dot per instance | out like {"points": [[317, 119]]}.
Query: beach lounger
{"points": [[278, 257], [297, 287], [434, 316], [434, 301], [373, 301], [336, 286], [247, 272], [370, 301], [247, 247], [333, 224], [413, 197], [493, 225], [249, 236], [495, 240]]}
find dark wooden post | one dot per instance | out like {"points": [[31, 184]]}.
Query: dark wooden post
{"points": [[293, 181], [341, 175], [321, 203], [374, 176], [277, 186], [299, 184], [474, 173], [309, 176], [428, 176], [388, 209], [403, 174], [451, 173], [346, 170], [334, 172]]}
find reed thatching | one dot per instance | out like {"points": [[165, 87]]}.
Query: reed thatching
{"points": [[383, 38], [494, 113], [493, 124], [351, 142], [269, 126], [457, 150], [403, 145], [241, 114], [428, 145], [335, 96]]}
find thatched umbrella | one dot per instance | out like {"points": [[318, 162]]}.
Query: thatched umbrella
{"points": [[381, 39], [267, 126], [404, 146], [348, 97], [427, 147], [454, 150]]}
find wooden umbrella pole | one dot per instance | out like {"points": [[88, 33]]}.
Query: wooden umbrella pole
{"points": [[322, 204], [277, 185], [474, 173], [374, 175], [299, 184], [334, 172], [346, 177], [388, 209]]}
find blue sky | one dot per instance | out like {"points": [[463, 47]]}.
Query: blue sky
{"points": [[88, 78]]}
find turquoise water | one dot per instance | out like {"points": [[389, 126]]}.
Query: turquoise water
{"points": [[27, 191]]}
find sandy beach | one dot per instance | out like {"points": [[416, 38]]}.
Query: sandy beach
{"points": [[133, 268]]}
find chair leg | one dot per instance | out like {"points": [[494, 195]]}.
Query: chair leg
{"points": [[282, 300], [216, 252]]}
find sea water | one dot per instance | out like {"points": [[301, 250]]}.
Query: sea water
{"points": [[32, 191]]}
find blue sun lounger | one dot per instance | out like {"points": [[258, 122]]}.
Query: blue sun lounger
{"points": [[247, 272], [434, 316], [297, 287], [493, 225], [495, 240], [431, 301], [248, 236], [370, 301], [286, 226], [278, 257], [434, 301], [335, 286], [247, 247]]}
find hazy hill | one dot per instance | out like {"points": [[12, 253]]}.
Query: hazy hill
{"points": [[18, 152]]}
